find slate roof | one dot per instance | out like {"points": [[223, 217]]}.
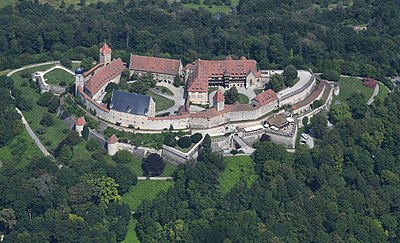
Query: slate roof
{"points": [[131, 103], [154, 64]]}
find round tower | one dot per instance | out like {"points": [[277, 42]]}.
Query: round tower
{"points": [[79, 78], [112, 145], [79, 123]]}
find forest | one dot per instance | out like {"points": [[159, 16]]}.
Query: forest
{"points": [[346, 189]]}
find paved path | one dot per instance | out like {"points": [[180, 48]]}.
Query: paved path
{"points": [[376, 91], [177, 98], [155, 178], [243, 146], [33, 135], [30, 66]]}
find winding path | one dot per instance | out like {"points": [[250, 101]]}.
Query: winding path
{"points": [[155, 178], [30, 66], [33, 135], [376, 91]]}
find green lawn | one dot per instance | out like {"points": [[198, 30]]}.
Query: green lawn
{"points": [[237, 167], [258, 91], [243, 99], [164, 90], [214, 9], [58, 75], [349, 86], [169, 169], [21, 149], [162, 103], [383, 92], [52, 134], [143, 190]]}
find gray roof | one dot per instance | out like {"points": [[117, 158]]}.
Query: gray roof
{"points": [[131, 103]]}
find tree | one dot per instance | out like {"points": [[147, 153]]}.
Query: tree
{"points": [[205, 148], [231, 96], [331, 75], [169, 139], [123, 157], [153, 165], [289, 75], [184, 142], [305, 121], [316, 104], [123, 176], [196, 137], [276, 82], [177, 81], [339, 113], [93, 145], [73, 138], [85, 133], [45, 99], [105, 189], [319, 125], [65, 154], [66, 62], [265, 138], [6, 82], [8, 218], [46, 120]]}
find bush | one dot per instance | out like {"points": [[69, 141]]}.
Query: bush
{"points": [[153, 165], [33, 85], [24, 83], [169, 139], [63, 83], [99, 154], [16, 92], [73, 138], [47, 143], [305, 121], [184, 142], [25, 74], [46, 120], [23, 104], [41, 130], [123, 156], [93, 145], [45, 99], [316, 104], [65, 131], [370, 82], [331, 75], [196, 137], [234, 152]]}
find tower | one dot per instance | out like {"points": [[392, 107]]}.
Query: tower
{"points": [[105, 54], [79, 78], [219, 101]]}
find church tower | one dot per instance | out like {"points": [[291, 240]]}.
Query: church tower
{"points": [[105, 54], [219, 101], [79, 78]]}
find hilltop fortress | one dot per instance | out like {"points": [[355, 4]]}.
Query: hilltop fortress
{"points": [[138, 111]]}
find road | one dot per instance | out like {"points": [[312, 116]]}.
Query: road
{"points": [[30, 66], [33, 135], [376, 91], [155, 178]]}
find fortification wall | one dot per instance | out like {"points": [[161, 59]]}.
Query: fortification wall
{"points": [[140, 152], [177, 157], [300, 94], [221, 143]]}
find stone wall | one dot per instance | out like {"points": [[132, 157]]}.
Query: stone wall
{"points": [[177, 157], [300, 94], [140, 152]]}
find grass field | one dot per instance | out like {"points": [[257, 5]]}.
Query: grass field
{"points": [[258, 91], [143, 190], [164, 90], [54, 3], [52, 134], [214, 9], [383, 92], [58, 75], [243, 99], [22, 149], [349, 86], [162, 103], [237, 167]]}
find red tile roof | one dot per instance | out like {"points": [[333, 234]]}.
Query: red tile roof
{"points": [[310, 99], [266, 97], [80, 121], [104, 75], [113, 139], [80, 90], [97, 66], [154, 64], [212, 112], [219, 97], [105, 49], [202, 70]]}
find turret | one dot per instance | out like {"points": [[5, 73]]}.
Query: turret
{"points": [[79, 78], [219, 100], [112, 145], [105, 54], [79, 123]]}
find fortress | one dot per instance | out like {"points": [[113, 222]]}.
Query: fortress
{"points": [[138, 111]]}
